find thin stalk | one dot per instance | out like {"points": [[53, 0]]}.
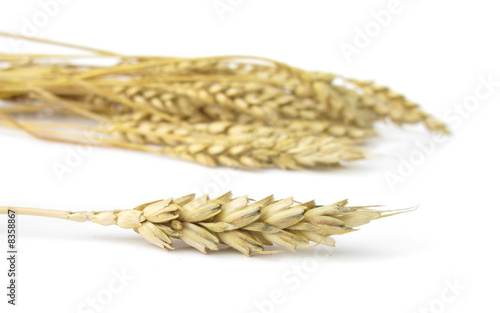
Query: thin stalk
{"points": [[35, 212], [41, 125], [22, 109], [57, 43], [71, 105], [94, 141]]}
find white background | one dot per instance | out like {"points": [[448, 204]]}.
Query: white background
{"points": [[435, 52]]}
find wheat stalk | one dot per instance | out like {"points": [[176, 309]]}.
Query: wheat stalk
{"points": [[239, 222]]}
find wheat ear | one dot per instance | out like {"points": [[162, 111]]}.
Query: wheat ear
{"points": [[241, 223], [237, 111]]}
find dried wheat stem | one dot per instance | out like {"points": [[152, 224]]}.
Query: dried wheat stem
{"points": [[35, 212], [57, 43]]}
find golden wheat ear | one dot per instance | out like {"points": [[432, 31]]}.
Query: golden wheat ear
{"points": [[234, 111], [243, 224]]}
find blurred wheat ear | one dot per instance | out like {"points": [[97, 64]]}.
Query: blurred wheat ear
{"points": [[238, 111]]}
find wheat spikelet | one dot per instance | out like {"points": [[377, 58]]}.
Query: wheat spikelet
{"points": [[239, 222]]}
